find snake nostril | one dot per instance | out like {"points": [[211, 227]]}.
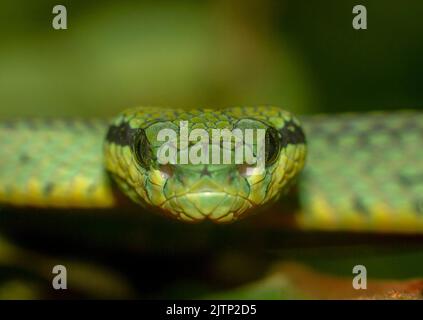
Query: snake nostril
{"points": [[243, 169], [166, 170]]}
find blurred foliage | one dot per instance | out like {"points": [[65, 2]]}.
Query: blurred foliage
{"points": [[301, 55]]}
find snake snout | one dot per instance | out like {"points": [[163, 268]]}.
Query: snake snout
{"points": [[205, 184], [205, 192], [218, 207]]}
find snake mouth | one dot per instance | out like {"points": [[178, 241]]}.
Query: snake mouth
{"points": [[219, 207]]}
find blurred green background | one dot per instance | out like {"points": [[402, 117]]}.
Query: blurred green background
{"points": [[301, 55]]}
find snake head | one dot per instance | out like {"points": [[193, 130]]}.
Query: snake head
{"points": [[193, 174]]}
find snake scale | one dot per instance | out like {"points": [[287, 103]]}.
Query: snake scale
{"points": [[363, 172]]}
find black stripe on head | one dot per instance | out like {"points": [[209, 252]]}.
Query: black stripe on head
{"points": [[291, 133], [122, 134]]}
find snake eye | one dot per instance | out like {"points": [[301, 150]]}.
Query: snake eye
{"points": [[142, 150], [272, 145]]}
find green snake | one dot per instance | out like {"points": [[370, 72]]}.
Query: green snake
{"points": [[363, 172]]}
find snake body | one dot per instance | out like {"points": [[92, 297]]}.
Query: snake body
{"points": [[364, 172]]}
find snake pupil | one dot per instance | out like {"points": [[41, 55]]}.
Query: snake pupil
{"points": [[272, 144], [142, 150]]}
